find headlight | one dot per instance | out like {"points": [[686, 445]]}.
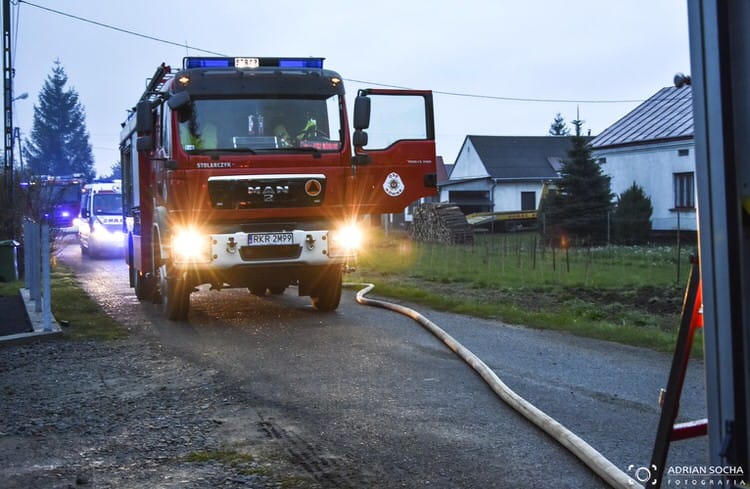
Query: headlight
{"points": [[100, 233], [345, 241], [189, 245], [99, 228]]}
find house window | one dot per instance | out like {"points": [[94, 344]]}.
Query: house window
{"points": [[528, 201], [684, 193], [683, 152]]}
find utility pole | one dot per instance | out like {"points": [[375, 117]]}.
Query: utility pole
{"points": [[8, 104]]}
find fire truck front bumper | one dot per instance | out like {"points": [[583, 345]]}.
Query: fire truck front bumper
{"points": [[216, 252]]}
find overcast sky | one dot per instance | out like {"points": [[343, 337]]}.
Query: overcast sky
{"points": [[574, 51]]}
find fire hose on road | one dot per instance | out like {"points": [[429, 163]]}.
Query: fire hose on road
{"points": [[586, 453]]}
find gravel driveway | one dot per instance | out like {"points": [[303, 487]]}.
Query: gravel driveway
{"points": [[141, 413]]}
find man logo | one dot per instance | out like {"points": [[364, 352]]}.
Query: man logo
{"points": [[313, 188]]}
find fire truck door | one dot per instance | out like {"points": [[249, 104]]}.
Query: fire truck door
{"points": [[394, 144]]}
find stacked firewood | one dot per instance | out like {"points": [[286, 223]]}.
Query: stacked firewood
{"points": [[441, 223]]}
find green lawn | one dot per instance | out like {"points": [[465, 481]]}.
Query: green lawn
{"points": [[631, 295], [70, 304]]}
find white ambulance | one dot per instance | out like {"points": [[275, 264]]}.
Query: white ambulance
{"points": [[100, 223]]}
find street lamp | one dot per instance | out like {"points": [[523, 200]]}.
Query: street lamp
{"points": [[17, 131]]}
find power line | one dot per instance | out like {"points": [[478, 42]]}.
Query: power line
{"points": [[364, 82], [496, 97], [119, 29]]}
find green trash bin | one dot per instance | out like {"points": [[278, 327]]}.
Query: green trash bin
{"points": [[9, 260]]}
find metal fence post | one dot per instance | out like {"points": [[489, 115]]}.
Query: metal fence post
{"points": [[27, 254], [47, 293], [35, 290]]}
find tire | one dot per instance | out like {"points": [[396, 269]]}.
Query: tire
{"points": [[173, 295], [327, 294], [258, 290], [144, 286]]}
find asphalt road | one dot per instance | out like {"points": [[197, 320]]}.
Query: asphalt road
{"points": [[374, 391]]}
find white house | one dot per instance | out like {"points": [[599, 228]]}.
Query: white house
{"points": [[653, 146], [504, 173]]}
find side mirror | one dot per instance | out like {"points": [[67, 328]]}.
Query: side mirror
{"points": [[180, 103], [144, 143], [144, 121], [85, 213], [178, 100], [361, 112], [359, 138]]}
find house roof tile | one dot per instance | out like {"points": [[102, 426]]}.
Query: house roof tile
{"points": [[520, 157], [667, 115]]}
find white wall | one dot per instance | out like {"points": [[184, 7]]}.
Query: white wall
{"points": [[476, 185], [652, 167], [468, 164], [507, 196]]}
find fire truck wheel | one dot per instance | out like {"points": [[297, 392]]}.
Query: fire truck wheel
{"points": [[327, 295], [257, 290], [144, 286], [174, 296], [277, 290]]}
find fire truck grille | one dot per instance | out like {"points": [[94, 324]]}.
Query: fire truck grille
{"points": [[266, 191], [250, 253]]}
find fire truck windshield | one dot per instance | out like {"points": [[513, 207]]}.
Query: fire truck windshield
{"points": [[58, 193], [261, 124]]}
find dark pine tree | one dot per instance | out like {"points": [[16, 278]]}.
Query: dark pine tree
{"points": [[558, 127], [631, 220], [115, 172], [59, 143], [583, 200]]}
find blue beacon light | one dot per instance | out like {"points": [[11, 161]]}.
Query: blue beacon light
{"points": [[216, 62]]}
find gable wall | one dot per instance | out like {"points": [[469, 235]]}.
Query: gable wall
{"points": [[468, 164]]}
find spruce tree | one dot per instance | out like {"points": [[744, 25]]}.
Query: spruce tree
{"points": [[558, 127], [579, 209], [59, 143], [631, 220]]}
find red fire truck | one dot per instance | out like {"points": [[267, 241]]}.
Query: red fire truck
{"points": [[240, 172]]}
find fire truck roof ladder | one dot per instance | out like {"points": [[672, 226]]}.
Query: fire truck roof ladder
{"points": [[156, 83]]}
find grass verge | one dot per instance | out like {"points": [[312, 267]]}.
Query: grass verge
{"points": [[626, 295], [70, 304]]}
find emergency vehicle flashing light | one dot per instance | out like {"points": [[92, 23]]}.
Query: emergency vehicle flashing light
{"points": [[215, 62]]}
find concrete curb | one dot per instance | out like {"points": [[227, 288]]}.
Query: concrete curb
{"points": [[37, 323]]}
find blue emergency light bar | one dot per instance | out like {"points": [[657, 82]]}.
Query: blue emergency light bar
{"points": [[215, 62]]}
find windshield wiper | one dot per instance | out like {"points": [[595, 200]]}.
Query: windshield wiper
{"points": [[223, 150], [303, 149]]}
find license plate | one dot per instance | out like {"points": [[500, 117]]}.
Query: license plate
{"points": [[270, 239]]}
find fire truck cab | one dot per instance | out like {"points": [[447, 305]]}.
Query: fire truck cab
{"points": [[240, 172]]}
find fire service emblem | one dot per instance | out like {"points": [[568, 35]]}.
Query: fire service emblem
{"points": [[393, 185]]}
